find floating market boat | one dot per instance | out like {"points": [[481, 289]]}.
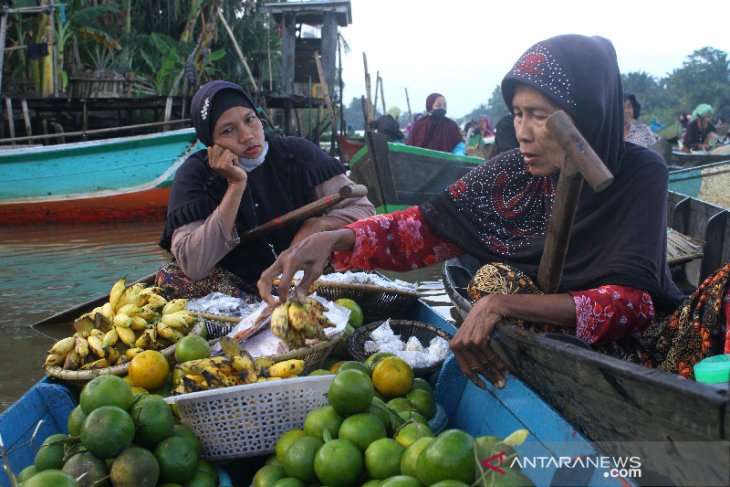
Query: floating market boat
{"points": [[708, 182], [398, 176], [121, 179], [684, 160], [679, 427]]}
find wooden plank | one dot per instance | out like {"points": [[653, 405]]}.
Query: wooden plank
{"points": [[26, 116]]}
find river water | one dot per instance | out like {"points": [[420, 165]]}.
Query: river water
{"points": [[46, 269]]}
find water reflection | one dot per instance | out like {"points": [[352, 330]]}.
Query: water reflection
{"points": [[47, 269]]}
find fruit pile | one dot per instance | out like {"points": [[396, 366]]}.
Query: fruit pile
{"points": [[294, 322], [121, 439], [234, 367], [375, 432], [135, 318]]}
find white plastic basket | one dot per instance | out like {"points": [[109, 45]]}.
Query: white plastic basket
{"points": [[247, 420]]}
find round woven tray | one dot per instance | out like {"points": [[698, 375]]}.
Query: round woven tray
{"points": [[404, 329], [313, 356], [375, 301], [81, 377]]}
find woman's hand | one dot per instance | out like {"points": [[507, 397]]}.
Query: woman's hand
{"points": [[472, 343], [225, 163], [309, 255]]}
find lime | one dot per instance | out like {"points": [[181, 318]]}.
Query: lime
{"points": [[153, 420], [106, 390], [350, 392], [191, 347], [50, 454], [419, 383], [409, 433], [52, 477], [289, 482], [107, 431], [87, 463], [362, 429], [185, 432], [373, 483], [454, 483], [338, 463], [382, 458], [353, 364], [320, 418], [299, 458], [409, 461], [413, 416], [201, 478], [268, 475], [178, 459], [400, 404], [75, 420], [26, 473], [135, 467], [356, 316], [285, 441], [424, 402], [449, 457], [401, 481]]}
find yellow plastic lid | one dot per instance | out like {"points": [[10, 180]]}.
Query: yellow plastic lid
{"points": [[713, 370]]}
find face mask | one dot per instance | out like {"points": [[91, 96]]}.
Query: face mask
{"points": [[438, 113], [249, 165]]}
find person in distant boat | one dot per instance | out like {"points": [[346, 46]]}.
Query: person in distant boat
{"points": [[472, 138], [434, 130], [656, 124], [243, 179], [701, 133], [635, 131], [388, 125], [615, 283], [504, 137]]}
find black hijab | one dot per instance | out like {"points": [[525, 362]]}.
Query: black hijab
{"points": [[499, 211]]}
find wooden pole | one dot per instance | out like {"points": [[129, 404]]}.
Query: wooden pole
{"points": [[238, 51], [11, 121], [408, 102], [377, 93], [26, 116], [325, 88], [368, 98], [382, 95], [3, 31]]}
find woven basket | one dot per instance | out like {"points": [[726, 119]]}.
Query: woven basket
{"points": [[376, 301], [403, 329], [313, 356], [81, 377]]}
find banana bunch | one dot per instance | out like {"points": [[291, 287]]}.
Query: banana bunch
{"points": [[135, 318], [235, 367], [295, 322]]}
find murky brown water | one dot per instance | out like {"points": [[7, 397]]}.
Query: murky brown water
{"points": [[47, 269]]}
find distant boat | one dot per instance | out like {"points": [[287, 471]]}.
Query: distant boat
{"points": [[708, 182], [681, 159], [111, 180], [398, 176]]}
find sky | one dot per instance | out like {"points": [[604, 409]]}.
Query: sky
{"points": [[463, 48]]}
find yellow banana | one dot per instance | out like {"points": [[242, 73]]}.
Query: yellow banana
{"points": [[174, 320], [126, 335], [122, 321], [243, 362], [280, 320], [96, 364], [54, 359], [131, 352], [146, 313], [97, 333], [110, 338], [155, 301], [144, 341], [298, 316], [138, 323], [107, 311], [116, 292], [81, 347], [174, 305], [96, 345], [84, 324], [130, 310], [247, 376], [72, 361], [129, 296], [62, 347], [112, 355], [287, 368]]}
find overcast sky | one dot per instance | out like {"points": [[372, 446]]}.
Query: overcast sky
{"points": [[463, 48]]}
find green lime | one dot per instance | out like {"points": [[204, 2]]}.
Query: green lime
{"points": [[362, 429], [338, 463], [52, 477], [106, 390], [75, 420], [285, 441], [107, 431], [299, 458], [268, 475], [350, 392], [50, 454], [191, 347], [135, 467], [382, 458], [356, 315], [178, 459], [153, 420]]}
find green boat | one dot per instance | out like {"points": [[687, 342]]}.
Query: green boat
{"points": [[399, 176], [708, 182]]}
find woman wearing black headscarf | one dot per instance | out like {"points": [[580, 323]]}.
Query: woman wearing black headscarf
{"points": [[242, 180], [635, 131], [615, 279]]}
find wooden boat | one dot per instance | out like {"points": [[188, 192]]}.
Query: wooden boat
{"points": [[708, 182], [684, 160], [490, 412], [624, 407], [349, 147], [398, 176], [122, 179]]}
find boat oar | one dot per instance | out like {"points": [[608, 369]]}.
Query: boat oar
{"points": [[581, 163], [311, 209]]}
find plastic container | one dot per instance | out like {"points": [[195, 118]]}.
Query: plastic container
{"points": [[713, 370], [247, 420]]}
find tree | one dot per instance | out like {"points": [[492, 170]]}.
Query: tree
{"points": [[704, 78]]}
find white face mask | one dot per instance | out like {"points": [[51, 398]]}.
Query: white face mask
{"points": [[249, 165]]}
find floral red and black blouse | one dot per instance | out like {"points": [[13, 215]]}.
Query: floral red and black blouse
{"points": [[403, 241]]}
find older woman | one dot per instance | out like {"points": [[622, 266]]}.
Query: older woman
{"points": [[700, 134], [635, 131], [616, 277], [434, 130], [242, 180]]}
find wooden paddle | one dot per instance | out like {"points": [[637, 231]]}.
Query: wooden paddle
{"points": [[581, 162]]}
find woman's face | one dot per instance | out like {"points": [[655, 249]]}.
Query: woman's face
{"points": [[240, 131], [703, 120], [628, 110], [531, 109], [439, 102]]}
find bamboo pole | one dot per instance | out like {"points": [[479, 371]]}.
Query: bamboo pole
{"points": [[325, 88], [377, 93], [408, 102], [26, 116], [382, 96], [238, 51], [11, 121], [369, 105]]}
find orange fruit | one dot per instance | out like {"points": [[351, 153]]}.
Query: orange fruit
{"points": [[50, 454], [393, 377], [338, 463], [285, 441], [75, 420], [409, 461], [320, 418], [350, 392], [106, 390], [107, 431], [449, 457], [424, 402], [149, 369], [382, 458], [299, 458], [400, 404], [191, 347], [153, 420], [375, 358], [353, 364], [409, 433], [135, 467], [362, 429], [268, 475], [422, 384], [53, 477], [178, 459]]}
